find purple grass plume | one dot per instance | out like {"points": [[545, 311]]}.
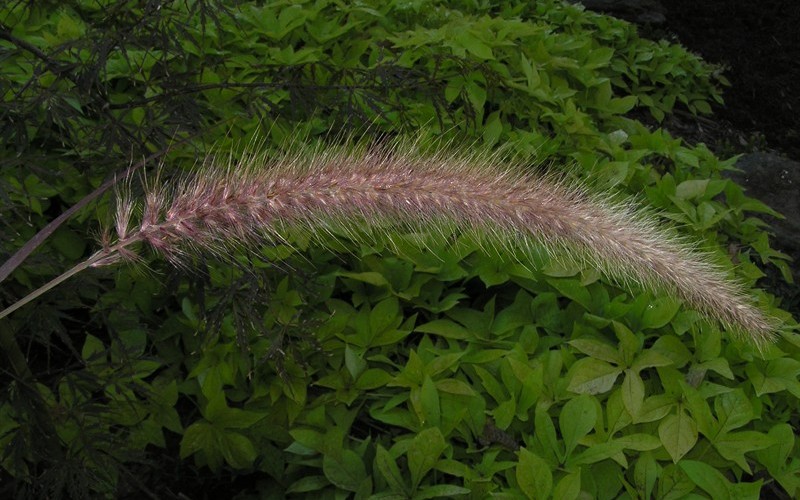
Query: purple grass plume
{"points": [[254, 201], [388, 186]]}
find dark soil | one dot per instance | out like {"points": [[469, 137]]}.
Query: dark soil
{"points": [[759, 43]]}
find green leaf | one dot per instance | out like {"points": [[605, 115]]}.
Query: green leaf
{"points": [[453, 89], [492, 129], [429, 400], [656, 407], [599, 452], [546, 432], [493, 272], [440, 491], [490, 384], [678, 434], [633, 393], [733, 410], [533, 475], [369, 277], [344, 468], [474, 45], [443, 362], [592, 376], [413, 373], [747, 490], [445, 328], [308, 483], [354, 362], [456, 468], [388, 468], [689, 157], [645, 473], [68, 27], [577, 418], [569, 487], [476, 94], [423, 453], [659, 312], [599, 57], [145, 367], [68, 243], [673, 483], [202, 437], [237, 450], [650, 359], [372, 379], [531, 74], [532, 381], [385, 315], [455, 386], [693, 188], [734, 445], [308, 438], [622, 105], [597, 349], [701, 107], [629, 344], [778, 375], [698, 407], [93, 349], [504, 413], [707, 478], [223, 417], [671, 347], [574, 290], [389, 495], [639, 442], [774, 457]]}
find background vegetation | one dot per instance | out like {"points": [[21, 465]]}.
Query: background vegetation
{"points": [[351, 370]]}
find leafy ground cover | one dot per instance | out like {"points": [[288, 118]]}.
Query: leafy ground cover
{"points": [[352, 369]]}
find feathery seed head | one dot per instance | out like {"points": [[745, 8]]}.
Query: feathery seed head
{"points": [[392, 186]]}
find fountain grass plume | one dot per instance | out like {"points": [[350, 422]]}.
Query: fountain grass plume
{"points": [[361, 190]]}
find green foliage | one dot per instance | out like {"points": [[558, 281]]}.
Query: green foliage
{"points": [[408, 371]]}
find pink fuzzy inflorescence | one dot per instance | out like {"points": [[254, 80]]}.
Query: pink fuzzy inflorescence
{"points": [[251, 203]]}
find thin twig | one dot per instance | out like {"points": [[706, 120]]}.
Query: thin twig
{"points": [[90, 262]]}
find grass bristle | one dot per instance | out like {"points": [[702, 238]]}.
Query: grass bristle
{"points": [[349, 190]]}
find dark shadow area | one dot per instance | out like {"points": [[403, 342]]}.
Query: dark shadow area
{"points": [[760, 44]]}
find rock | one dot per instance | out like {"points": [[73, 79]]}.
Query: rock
{"points": [[775, 180], [636, 11]]}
